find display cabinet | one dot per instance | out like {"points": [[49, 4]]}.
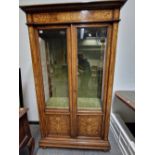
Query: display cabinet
{"points": [[73, 54]]}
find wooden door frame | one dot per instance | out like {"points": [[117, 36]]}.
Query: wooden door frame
{"points": [[39, 86], [109, 71], [37, 69], [105, 75]]}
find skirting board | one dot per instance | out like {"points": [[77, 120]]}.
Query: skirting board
{"points": [[122, 135]]}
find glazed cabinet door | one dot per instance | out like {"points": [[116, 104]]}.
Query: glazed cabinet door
{"points": [[90, 49], [56, 73], [74, 63]]}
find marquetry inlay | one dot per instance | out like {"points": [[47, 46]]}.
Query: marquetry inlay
{"points": [[58, 124], [89, 126], [74, 16]]}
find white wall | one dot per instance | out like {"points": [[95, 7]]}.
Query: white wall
{"points": [[25, 64], [125, 58]]}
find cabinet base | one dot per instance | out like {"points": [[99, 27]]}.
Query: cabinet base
{"points": [[75, 143]]}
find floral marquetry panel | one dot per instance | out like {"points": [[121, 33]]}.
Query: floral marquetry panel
{"points": [[89, 126], [58, 125]]}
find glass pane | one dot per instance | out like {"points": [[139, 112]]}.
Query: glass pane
{"points": [[91, 52], [54, 67]]}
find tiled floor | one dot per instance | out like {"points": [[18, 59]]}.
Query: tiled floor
{"points": [[55, 151]]}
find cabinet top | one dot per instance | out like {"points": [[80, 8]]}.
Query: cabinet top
{"points": [[74, 6]]}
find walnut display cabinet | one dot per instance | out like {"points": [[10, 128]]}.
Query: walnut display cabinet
{"points": [[73, 54]]}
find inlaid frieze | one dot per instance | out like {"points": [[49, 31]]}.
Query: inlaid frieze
{"points": [[74, 16]]}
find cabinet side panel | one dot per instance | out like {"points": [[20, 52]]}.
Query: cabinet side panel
{"points": [[38, 78], [110, 80], [105, 77]]}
